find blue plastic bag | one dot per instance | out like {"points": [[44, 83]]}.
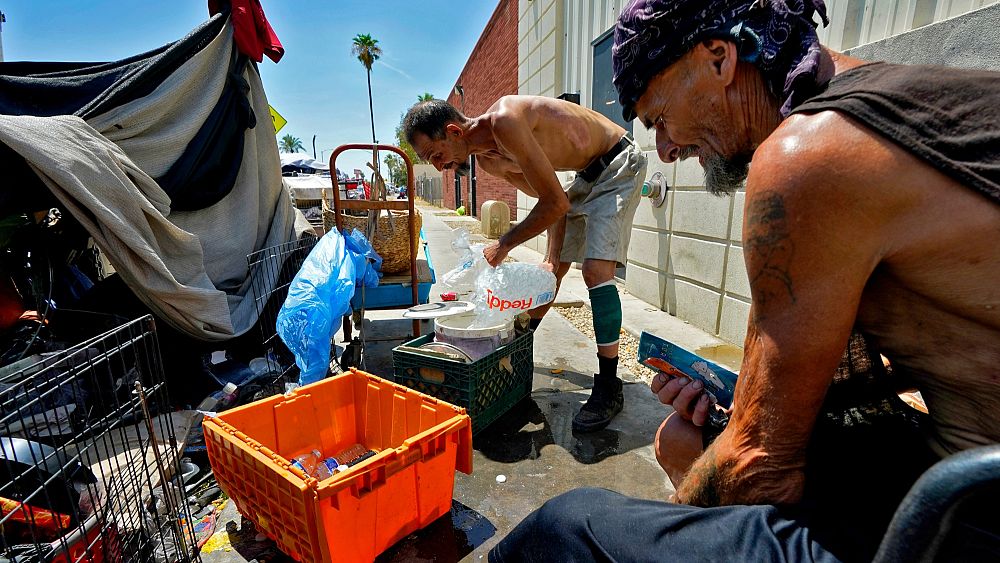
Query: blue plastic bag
{"points": [[319, 295], [362, 250]]}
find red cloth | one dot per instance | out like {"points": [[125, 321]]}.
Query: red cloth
{"points": [[254, 36], [27, 524]]}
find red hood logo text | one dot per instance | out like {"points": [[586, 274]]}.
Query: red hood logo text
{"points": [[495, 302]]}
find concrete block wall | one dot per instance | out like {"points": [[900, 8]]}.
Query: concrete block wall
{"points": [[489, 74], [687, 257]]}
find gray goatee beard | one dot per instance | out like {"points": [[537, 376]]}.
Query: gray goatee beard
{"points": [[724, 176]]}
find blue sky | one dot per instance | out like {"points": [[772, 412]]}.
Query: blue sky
{"points": [[318, 86]]}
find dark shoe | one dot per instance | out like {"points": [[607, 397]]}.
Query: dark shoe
{"points": [[605, 402]]}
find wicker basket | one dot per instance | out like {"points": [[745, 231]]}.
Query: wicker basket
{"points": [[391, 243]]}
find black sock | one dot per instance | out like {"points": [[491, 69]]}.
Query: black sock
{"points": [[533, 323], [608, 367]]}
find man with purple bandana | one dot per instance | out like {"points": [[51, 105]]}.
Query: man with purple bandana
{"points": [[871, 206]]}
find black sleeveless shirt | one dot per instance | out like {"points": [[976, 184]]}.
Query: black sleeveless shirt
{"points": [[948, 117]]}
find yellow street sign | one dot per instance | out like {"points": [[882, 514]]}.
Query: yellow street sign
{"points": [[276, 119]]}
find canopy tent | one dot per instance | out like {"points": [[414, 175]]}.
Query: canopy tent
{"points": [[301, 160], [167, 159]]}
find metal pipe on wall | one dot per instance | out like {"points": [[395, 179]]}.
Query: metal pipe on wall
{"points": [[472, 187]]}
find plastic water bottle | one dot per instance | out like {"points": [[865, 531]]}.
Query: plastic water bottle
{"points": [[314, 465], [351, 456], [230, 392], [307, 463], [327, 467], [220, 400]]}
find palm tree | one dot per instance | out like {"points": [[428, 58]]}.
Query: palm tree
{"points": [[425, 97], [290, 144], [367, 50], [397, 170]]}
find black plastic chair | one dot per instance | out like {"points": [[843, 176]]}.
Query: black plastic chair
{"points": [[933, 523]]}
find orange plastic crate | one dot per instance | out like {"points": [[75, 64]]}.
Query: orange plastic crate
{"points": [[357, 514]]}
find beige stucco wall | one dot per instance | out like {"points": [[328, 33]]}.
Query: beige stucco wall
{"points": [[425, 170], [686, 257]]}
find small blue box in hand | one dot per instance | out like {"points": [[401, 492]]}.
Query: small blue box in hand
{"points": [[660, 355]]}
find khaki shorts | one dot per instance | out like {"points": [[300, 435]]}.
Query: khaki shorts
{"points": [[599, 222]]}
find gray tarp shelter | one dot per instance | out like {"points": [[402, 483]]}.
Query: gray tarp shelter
{"points": [[168, 159]]}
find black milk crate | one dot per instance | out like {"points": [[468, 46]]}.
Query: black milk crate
{"points": [[487, 387]]}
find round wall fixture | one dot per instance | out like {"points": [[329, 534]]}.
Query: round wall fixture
{"points": [[655, 188]]}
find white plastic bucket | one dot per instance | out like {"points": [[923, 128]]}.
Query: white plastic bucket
{"points": [[476, 342]]}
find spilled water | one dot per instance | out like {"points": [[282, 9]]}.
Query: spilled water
{"points": [[726, 355], [446, 540]]}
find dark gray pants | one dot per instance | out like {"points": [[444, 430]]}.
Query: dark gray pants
{"points": [[586, 525]]}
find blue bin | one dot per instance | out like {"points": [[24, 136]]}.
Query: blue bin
{"points": [[398, 294]]}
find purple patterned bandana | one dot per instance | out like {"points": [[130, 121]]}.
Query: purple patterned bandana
{"points": [[778, 36]]}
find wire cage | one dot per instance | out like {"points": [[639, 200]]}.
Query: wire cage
{"points": [[89, 464], [272, 270]]}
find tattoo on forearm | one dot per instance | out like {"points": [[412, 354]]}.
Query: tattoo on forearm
{"points": [[769, 243]]}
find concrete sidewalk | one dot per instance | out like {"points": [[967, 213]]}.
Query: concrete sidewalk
{"points": [[533, 446]]}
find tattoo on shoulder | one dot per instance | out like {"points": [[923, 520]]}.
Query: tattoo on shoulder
{"points": [[769, 243]]}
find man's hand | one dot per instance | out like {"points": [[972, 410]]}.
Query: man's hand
{"points": [[687, 398], [549, 266], [495, 253]]}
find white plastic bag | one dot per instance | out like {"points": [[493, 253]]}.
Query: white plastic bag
{"points": [[500, 293], [509, 289], [462, 280]]}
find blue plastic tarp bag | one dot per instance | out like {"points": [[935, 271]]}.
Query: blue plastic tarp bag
{"points": [[363, 251], [319, 295]]}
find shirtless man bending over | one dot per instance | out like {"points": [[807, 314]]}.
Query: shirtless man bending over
{"points": [[526, 140], [872, 204]]}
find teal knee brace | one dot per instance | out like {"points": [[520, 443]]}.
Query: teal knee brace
{"points": [[607, 309]]}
